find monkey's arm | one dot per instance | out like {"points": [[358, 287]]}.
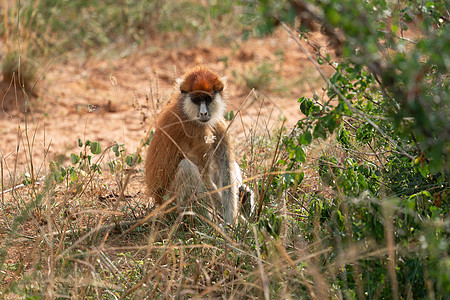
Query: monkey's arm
{"points": [[227, 175], [161, 163]]}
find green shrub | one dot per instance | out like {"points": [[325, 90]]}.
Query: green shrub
{"points": [[386, 117]]}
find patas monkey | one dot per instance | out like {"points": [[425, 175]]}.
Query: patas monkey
{"points": [[191, 151]]}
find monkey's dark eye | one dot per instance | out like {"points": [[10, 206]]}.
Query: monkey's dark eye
{"points": [[183, 91], [202, 98]]}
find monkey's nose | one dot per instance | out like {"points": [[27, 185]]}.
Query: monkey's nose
{"points": [[203, 114], [203, 117]]}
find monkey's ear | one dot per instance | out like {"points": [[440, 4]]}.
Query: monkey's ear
{"points": [[179, 81], [224, 80]]}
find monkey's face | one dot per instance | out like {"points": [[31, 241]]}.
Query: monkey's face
{"points": [[203, 102], [204, 107], [202, 98]]}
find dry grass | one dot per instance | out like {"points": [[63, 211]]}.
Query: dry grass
{"points": [[99, 236], [69, 231]]}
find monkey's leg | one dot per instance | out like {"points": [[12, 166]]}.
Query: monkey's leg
{"points": [[190, 189], [186, 180], [226, 177], [229, 176]]}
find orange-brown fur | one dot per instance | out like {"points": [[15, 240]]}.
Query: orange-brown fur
{"points": [[177, 137], [200, 79]]}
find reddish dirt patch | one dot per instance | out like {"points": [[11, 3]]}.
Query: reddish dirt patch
{"points": [[117, 99], [109, 99]]}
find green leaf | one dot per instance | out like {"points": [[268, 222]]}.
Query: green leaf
{"points": [[95, 148], [129, 160], [343, 137], [299, 177], [306, 138], [229, 115], [115, 149], [73, 175], [306, 106], [74, 158], [319, 130], [330, 121], [63, 172], [300, 155]]}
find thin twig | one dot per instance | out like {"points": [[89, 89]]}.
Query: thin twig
{"points": [[19, 185]]}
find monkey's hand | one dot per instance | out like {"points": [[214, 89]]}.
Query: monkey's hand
{"points": [[247, 199]]}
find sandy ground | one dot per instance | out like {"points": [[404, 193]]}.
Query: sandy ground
{"points": [[116, 98]]}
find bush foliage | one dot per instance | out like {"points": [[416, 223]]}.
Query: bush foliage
{"points": [[377, 229], [387, 109]]}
